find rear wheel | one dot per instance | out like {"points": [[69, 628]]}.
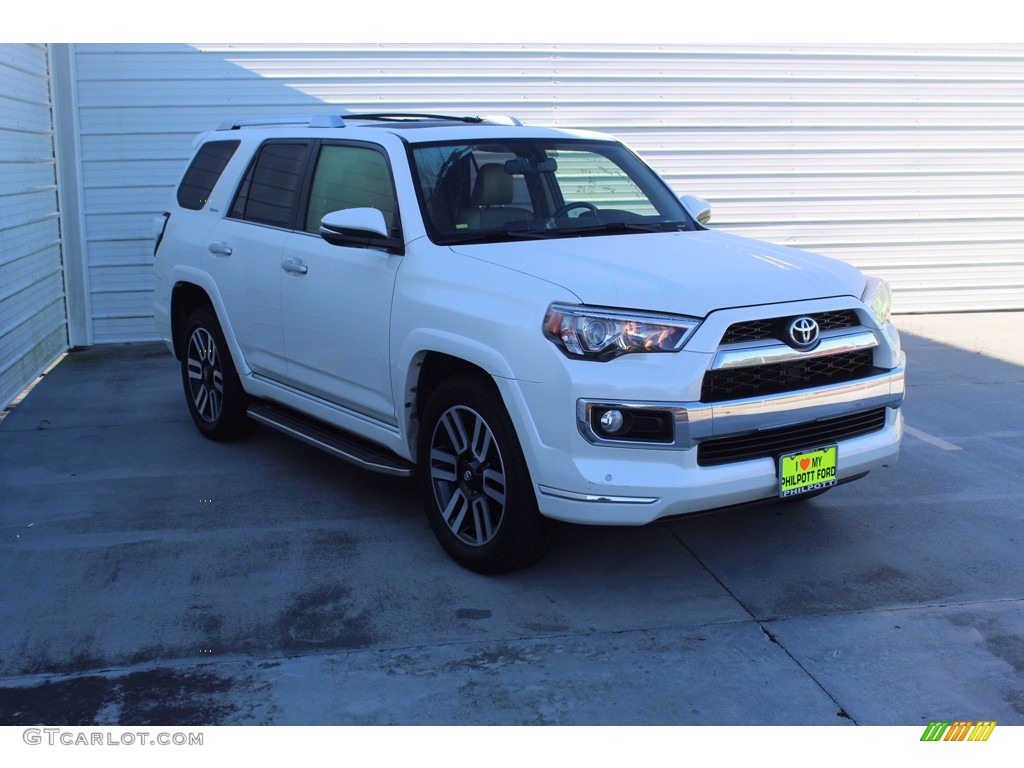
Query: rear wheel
{"points": [[474, 481], [213, 390]]}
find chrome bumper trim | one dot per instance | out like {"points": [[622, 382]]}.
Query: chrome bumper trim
{"points": [[700, 421], [781, 353], [592, 498]]}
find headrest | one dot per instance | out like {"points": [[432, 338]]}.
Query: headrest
{"points": [[493, 185]]}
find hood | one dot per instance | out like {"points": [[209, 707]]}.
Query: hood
{"points": [[689, 273]]}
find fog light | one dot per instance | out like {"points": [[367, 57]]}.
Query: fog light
{"points": [[611, 421], [607, 423]]}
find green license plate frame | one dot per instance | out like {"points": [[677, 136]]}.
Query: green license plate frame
{"points": [[809, 470]]}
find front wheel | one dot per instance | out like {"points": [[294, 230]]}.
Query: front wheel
{"points": [[474, 481]]}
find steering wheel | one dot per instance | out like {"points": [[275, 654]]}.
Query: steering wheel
{"points": [[569, 206]]}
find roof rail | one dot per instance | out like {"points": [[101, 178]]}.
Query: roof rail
{"points": [[316, 121], [502, 119], [338, 121], [398, 117], [326, 121], [409, 116]]}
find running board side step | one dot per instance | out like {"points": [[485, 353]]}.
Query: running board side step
{"points": [[342, 444]]}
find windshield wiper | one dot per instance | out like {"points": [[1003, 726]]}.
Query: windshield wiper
{"points": [[624, 226], [498, 235], [514, 233]]}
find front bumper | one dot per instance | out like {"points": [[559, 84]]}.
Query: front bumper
{"points": [[614, 482], [702, 488], [694, 422]]}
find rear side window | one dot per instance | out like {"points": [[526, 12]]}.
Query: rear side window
{"points": [[271, 185], [201, 176]]}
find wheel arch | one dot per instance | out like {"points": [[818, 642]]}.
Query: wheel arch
{"points": [[426, 371], [429, 356], [192, 289], [185, 297]]}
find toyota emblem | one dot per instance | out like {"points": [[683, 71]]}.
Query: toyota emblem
{"points": [[804, 332]]}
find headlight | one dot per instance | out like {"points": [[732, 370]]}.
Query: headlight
{"points": [[878, 298], [604, 334]]}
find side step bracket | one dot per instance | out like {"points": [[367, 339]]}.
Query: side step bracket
{"points": [[337, 442]]}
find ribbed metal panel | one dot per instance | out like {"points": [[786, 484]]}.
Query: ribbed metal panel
{"points": [[904, 160], [33, 324]]}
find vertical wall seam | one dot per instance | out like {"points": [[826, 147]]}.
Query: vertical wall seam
{"points": [[68, 148]]}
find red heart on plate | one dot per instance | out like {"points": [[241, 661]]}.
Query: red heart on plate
{"points": [[805, 463]]}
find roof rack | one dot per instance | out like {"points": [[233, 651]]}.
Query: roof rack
{"points": [[338, 121], [401, 117], [502, 119], [316, 121], [412, 116]]}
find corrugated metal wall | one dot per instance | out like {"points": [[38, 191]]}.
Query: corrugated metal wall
{"points": [[908, 162], [33, 324]]}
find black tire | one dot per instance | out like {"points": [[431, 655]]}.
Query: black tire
{"points": [[474, 481], [213, 390]]}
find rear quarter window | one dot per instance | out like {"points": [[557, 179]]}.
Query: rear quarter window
{"points": [[203, 172]]}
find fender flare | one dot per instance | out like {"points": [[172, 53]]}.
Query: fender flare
{"points": [[202, 280]]}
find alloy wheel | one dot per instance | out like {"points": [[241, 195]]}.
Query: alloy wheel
{"points": [[467, 475], [205, 375]]}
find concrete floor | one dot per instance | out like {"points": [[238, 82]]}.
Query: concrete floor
{"points": [[149, 576]]}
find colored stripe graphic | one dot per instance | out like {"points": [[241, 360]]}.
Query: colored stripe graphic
{"points": [[982, 730], [958, 730]]}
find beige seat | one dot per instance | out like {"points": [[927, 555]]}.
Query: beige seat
{"points": [[491, 197]]}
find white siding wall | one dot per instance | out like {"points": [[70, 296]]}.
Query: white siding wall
{"points": [[32, 315], [908, 162]]}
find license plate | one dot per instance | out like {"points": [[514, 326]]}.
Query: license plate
{"points": [[808, 471]]}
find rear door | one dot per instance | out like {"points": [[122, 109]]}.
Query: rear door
{"points": [[246, 249]]}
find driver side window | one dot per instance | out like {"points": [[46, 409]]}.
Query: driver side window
{"points": [[350, 177]]}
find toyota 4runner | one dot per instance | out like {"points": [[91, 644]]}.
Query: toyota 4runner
{"points": [[528, 320]]}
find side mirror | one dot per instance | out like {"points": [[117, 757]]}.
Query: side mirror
{"points": [[359, 228], [697, 207]]}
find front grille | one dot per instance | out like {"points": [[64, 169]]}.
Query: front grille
{"points": [[775, 327], [778, 442], [760, 380]]}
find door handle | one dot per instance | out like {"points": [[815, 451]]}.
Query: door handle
{"points": [[219, 248], [296, 266]]}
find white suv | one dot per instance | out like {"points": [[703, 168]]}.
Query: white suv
{"points": [[527, 319]]}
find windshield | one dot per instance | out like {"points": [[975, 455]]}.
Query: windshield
{"points": [[490, 191]]}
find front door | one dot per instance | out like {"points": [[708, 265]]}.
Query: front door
{"points": [[336, 301]]}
